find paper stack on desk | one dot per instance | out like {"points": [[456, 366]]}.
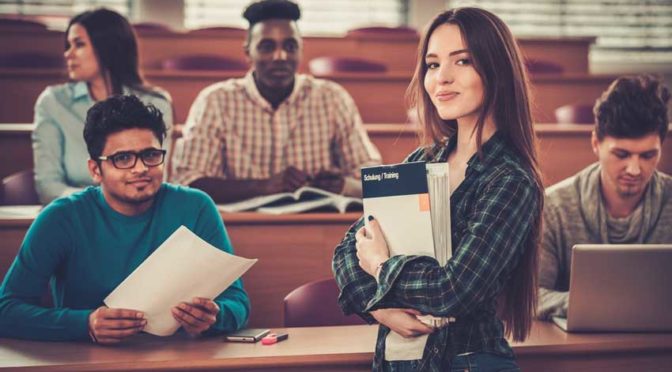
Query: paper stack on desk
{"points": [[183, 267]]}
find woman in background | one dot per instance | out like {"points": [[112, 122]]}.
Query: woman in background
{"points": [[101, 55], [470, 91]]}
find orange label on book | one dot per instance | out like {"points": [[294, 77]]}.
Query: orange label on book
{"points": [[424, 202]]}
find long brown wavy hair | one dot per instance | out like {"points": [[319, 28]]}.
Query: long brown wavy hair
{"points": [[498, 62]]}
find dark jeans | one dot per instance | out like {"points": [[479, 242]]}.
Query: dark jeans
{"points": [[476, 362]]}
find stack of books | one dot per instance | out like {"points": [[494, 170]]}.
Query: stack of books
{"points": [[411, 202]]}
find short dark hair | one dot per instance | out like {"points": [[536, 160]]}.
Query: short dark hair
{"points": [[118, 113], [116, 48], [271, 9], [632, 107]]}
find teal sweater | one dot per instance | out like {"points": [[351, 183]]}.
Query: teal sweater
{"points": [[82, 249]]}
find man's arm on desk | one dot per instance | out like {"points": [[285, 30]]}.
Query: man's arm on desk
{"points": [[228, 191]]}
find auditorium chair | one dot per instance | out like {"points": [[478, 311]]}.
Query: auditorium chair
{"points": [[315, 304], [19, 189], [200, 62], [21, 24], [151, 26], [575, 114], [220, 30], [401, 31], [322, 66], [35, 60]]}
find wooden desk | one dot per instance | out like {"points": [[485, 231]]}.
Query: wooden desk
{"points": [[292, 250], [563, 149], [346, 348], [379, 97], [394, 141], [15, 144], [397, 52]]}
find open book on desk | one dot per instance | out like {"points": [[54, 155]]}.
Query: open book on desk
{"points": [[302, 200]]}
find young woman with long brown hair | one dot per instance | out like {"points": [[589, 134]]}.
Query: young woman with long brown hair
{"points": [[470, 91], [101, 54]]}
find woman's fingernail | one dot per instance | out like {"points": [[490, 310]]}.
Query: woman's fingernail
{"points": [[370, 218]]}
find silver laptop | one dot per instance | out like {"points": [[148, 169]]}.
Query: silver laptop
{"points": [[619, 288]]}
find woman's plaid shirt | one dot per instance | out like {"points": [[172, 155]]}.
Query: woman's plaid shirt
{"points": [[492, 211]]}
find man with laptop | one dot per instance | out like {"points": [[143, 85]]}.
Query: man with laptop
{"points": [[621, 199]]}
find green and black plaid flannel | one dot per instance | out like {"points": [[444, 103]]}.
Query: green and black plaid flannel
{"points": [[491, 214]]}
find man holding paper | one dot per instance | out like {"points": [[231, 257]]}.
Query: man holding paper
{"points": [[84, 245]]}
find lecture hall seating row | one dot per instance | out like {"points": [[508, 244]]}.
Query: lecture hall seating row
{"points": [[379, 96], [564, 149], [574, 85], [396, 50], [305, 253]]}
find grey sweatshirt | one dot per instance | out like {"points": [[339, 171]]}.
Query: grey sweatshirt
{"points": [[574, 213]]}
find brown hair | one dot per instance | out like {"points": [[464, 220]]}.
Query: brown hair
{"points": [[498, 62], [116, 49], [632, 107]]}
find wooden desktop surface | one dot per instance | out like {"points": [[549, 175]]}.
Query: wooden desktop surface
{"points": [[345, 348]]}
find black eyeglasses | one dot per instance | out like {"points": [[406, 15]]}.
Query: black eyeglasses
{"points": [[128, 159]]}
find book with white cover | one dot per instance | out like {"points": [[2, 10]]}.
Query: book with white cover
{"points": [[303, 199], [411, 202], [398, 198], [438, 184]]}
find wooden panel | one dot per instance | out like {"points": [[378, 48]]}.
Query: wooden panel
{"points": [[290, 254], [552, 91], [346, 348], [394, 141], [292, 250], [379, 97], [20, 89], [16, 149], [563, 149], [398, 53], [51, 43], [154, 47], [571, 52]]}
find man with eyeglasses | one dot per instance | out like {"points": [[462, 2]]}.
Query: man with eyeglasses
{"points": [[273, 130], [82, 246]]}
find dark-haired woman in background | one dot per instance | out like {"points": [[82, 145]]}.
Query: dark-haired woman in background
{"points": [[470, 90], [101, 54]]}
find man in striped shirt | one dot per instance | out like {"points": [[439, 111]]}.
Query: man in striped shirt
{"points": [[273, 130]]}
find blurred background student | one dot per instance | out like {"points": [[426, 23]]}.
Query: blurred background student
{"points": [[101, 56]]}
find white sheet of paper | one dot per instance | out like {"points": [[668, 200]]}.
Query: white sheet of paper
{"points": [[183, 267]]}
